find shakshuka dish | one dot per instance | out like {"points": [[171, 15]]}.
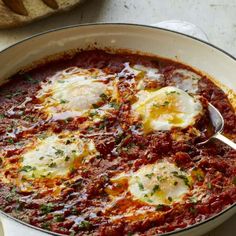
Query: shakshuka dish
{"points": [[101, 143]]}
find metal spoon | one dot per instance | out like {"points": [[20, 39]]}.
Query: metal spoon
{"points": [[218, 124]]}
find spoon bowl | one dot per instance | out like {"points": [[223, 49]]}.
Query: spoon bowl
{"points": [[217, 121]]}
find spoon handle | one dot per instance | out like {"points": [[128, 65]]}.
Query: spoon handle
{"points": [[225, 140]]}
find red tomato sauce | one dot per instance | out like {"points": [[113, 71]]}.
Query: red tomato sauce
{"points": [[79, 208]]}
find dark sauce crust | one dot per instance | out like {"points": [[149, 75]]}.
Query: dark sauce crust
{"points": [[87, 196]]}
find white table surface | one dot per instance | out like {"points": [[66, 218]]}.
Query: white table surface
{"points": [[216, 17]]}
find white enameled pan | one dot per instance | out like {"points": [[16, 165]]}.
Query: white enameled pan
{"points": [[145, 39]]}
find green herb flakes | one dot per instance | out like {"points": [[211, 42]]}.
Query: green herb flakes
{"points": [[159, 207], [46, 208], [141, 187], [52, 165], [170, 199], [149, 176], [209, 185], [11, 141], [155, 189], [104, 97], [85, 224], [59, 218], [183, 177], [63, 101], [95, 106], [27, 168]]}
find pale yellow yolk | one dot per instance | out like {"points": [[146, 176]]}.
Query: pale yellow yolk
{"points": [[166, 108]]}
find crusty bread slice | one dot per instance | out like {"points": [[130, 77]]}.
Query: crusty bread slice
{"points": [[36, 9]]}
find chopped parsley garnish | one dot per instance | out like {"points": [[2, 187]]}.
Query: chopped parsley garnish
{"points": [[159, 207], [58, 151], [166, 103], [67, 158], [170, 199], [193, 200], [11, 141], [85, 224], [209, 185], [115, 105], [149, 200], [46, 208], [93, 113], [149, 176], [42, 136], [90, 128], [11, 195], [9, 128], [74, 211], [29, 118], [59, 218], [141, 187], [68, 141], [95, 106], [101, 126], [61, 81], [199, 177], [172, 92], [63, 101], [52, 165], [2, 116], [183, 177], [27, 168], [46, 225], [155, 189], [72, 169], [161, 178], [104, 97]]}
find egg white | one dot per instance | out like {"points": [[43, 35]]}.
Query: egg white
{"points": [[166, 108], [56, 156], [185, 80], [151, 73], [159, 183], [72, 94]]}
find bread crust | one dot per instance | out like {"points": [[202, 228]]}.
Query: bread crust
{"points": [[37, 9]]}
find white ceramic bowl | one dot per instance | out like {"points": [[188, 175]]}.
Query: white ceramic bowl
{"points": [[146, 39]]}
